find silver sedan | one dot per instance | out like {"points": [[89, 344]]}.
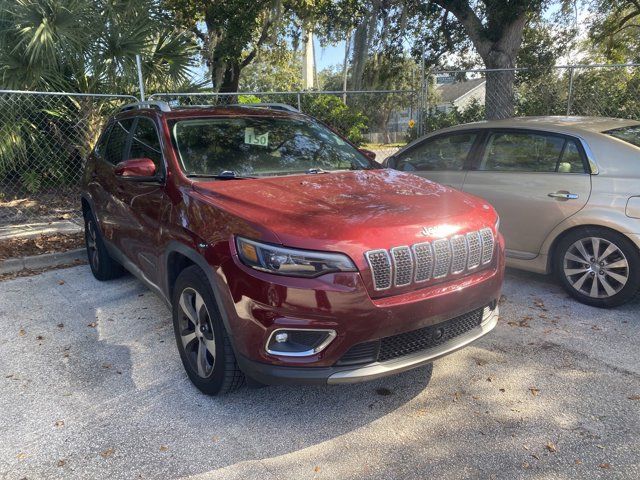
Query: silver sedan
{"points": [[567, 190]]}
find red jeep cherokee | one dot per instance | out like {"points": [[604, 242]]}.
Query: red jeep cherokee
{"points": [[285, 253]]}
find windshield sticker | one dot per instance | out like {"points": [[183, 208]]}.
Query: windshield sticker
{"points": [[250, 138]]}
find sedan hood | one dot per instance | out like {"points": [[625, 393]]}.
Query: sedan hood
{"points": [[350, 211]]}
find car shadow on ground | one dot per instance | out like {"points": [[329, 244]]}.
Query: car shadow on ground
{"points": [[113, 375]]}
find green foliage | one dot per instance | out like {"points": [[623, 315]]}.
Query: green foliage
{"points": [[274, 70], [329, 109], [435, 120]]}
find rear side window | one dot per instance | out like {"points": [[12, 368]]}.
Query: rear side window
{"points": [[628, 134], [441, 153], [145, 142], [114, 149], [531, 152], [102, 141]]}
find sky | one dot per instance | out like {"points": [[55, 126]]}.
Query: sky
{"points": [[328, 56]]}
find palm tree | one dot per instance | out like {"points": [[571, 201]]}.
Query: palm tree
{"points": [[90, 46], [80, 46]]}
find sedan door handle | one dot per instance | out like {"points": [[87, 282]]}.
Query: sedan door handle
{"points": [[563, 195]]}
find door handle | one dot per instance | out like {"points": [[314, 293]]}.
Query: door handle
{"points": [[563, 195]]}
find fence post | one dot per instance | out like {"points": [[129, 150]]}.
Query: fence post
{"points": [[421, 95], [299, 101], [570, 95], [140, 79]]}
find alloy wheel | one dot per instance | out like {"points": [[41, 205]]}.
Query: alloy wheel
{"points": [[596, 267], [196, 332], [92, 245]]}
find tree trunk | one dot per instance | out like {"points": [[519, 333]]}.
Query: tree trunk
{"points": [[230, 83], [499, 94]]}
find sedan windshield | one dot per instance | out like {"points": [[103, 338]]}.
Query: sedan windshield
{"points": [[256, 146]]}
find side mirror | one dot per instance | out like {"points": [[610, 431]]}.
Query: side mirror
{"points": [[368, 153], [136, 169], [389, 162]]}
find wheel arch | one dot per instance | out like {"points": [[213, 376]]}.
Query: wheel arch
{"points": [[553, 247], [179, 256]]}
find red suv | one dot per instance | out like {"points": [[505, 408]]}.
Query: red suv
{"points": [[286, 254]]}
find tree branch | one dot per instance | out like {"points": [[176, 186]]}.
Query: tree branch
{"points": [[471, 22]]}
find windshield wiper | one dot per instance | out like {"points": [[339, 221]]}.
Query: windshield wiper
{"points": [[223, 175], [317, 170]]}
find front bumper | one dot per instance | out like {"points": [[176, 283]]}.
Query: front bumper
{"points": [[277, 375]]}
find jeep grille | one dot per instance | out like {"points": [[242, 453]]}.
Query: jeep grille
{"points": [[403, 265]]}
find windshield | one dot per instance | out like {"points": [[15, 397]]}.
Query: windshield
{"points": [[629, 134], [252, 146]]}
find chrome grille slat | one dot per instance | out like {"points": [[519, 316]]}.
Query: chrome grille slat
{"points": [[424, 261], [474, 244], [487, 245], [442, 254], [401, 266], [458, 254], [380, 264]]}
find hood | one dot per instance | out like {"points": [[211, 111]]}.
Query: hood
{"points": [[350, 212]]}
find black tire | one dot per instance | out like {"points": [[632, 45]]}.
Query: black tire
{"points": [[213, 370], [596, 267], [103, 266]]}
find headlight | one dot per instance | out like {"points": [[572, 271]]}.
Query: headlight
{"points": [[289, 261]]}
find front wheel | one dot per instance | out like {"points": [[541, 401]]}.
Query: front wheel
{"points": [[598, 266], [202, 340]]}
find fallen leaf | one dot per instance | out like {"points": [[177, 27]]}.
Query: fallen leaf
{"points": [[106, 365], [480, 362], [526, 465], [61, 463], [526, 447], [61, 325], [21, 456], [22, 332], [456, 396], [595, 327], [107, 453], [163, 448], [578, 461], [489, 379], [540, 304], [634, 397], [535, 456], [534, 391], [502, 390], [92, 325], [605, 465], [551, 447], [60, 282], [39, 337], [316, 469], [215, 439], [59, 423]]}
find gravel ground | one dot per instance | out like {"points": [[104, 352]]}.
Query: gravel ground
{"points": [[91, 386]]}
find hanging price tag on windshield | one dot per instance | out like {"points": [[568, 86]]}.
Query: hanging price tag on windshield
{"points": [[251, 138]]}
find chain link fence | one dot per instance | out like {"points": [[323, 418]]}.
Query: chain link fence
{"points": [[461, 96], [44, 139]]}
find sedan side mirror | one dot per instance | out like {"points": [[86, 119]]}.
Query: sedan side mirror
{"points": [[368, 153], [389, 162], [136, 169]]}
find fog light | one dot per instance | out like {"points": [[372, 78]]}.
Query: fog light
{"points": [[298, 342], [282, 337]]}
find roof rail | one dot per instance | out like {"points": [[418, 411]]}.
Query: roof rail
{"points": [[272, 106], [162, 106]]}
